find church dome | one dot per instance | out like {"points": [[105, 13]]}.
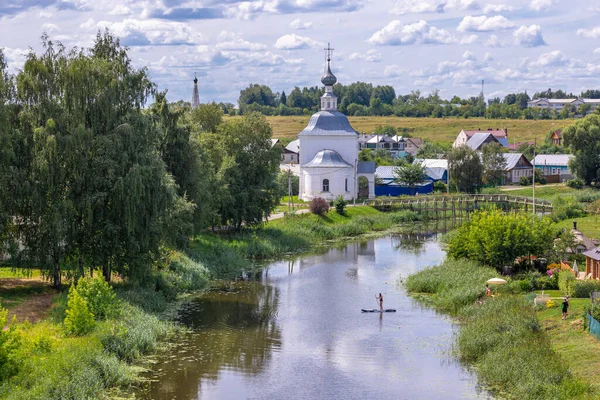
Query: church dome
{"points": [[328, 123], [327, 159], [329, 78]]}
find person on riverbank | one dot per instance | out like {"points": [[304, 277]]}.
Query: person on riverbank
{"points": [[488, 291], [380, 298], [565, 307]]}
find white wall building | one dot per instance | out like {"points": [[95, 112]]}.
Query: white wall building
{"points": [[329, 164], [559, 104]]}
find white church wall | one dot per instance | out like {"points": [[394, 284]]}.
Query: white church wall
{"points": [[346, 146], [313, 183]]}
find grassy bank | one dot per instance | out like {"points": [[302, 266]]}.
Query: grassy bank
{"points": [[501, 338], [229, 253], [46, 361], [434, 129]]}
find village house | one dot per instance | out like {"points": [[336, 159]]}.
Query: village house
{"points": [[555, 167], [556, 137], [436, 170], [398, 146], [480, 139], [517, 165], [592, 263], [582, 242], [289, 153], [464, 136], [559, 104]]}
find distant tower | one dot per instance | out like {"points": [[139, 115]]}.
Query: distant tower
{"points": [[482, 87], [195, 96]]}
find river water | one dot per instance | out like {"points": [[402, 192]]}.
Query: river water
{"points": [[295, 331]]}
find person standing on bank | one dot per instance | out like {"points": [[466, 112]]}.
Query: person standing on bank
{"points": [[565, 307], [380, 298]]}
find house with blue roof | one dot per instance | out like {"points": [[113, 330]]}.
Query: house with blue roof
{"points": [[554, 164]]}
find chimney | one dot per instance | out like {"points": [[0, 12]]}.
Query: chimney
{"points": [[575, 225], [506, 131]]}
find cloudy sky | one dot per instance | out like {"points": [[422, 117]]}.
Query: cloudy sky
{"points": [[450, 45]]}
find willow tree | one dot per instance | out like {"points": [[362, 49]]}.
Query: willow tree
{"points": [[102, 196]]}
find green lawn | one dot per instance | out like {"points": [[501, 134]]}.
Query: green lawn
{"points": [[7, 272], [541, 191], [589, 225], [580, 349], [332, 217]]}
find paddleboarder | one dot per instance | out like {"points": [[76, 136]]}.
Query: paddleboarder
{"points": [[380, 298]]}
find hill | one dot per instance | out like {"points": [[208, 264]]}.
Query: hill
{"points": [[438, 130]]}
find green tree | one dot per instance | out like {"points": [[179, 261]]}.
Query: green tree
{"points": [[497, 239], [79, 320], [430, 150], [386, 94], [256, 94], [465, 169], [410, 175], [283, 98], [387, 130], [583, 138], [493, 162]]}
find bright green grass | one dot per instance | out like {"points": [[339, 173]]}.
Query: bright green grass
{"points": [[501, 337], [589, 225], [580, 349], [7, 272], [541, 192]]}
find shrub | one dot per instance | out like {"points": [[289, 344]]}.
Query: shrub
{"points": [[79, 319], [340, 205], [525, 181], [318, 206], [439, 187], [582, 289], [565, 282], [566, 207], [9, 344], [550, 304], [575, 183], [99, 296]]}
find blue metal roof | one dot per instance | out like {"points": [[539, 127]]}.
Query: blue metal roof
{"points": [[366, 167], [329, 123], [327, 159], [479, 139]]}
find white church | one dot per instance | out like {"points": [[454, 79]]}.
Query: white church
{"points": [[329, 165]]}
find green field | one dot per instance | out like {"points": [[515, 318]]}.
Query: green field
{"points": [[440, 130]]}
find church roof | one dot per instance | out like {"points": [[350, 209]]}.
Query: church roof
{"points": [[327, 159], [328, 123]]}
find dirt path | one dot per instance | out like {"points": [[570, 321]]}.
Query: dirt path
{"points": [[27, 298]]}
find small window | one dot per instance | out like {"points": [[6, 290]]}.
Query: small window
{"points": [[346, 184], [328, 104], [326, 185]]}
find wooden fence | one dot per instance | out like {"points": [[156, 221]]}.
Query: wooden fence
{"points": [[461, 205]]}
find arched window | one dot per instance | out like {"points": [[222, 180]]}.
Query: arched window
{"points": [[346, 184], [326, 185], [328, 104]]}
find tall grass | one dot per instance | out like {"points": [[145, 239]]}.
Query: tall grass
{"points": [[226, 254], [501, 338]]}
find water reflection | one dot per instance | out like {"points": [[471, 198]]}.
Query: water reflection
{"points": [[294, 330]]}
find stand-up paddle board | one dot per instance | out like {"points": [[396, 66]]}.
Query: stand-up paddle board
{"points": [[377, 310]]}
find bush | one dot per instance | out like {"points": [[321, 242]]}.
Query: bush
{"points": [[318, 206], [340, 205], [79, 319], [9, 344], [99, 296], [575, 183], [525, 181], [565, 207], [439, 187], [565, 282], [582, 289]]}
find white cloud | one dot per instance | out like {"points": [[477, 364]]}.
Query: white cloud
{"points": [[540, 5], [396, 34], [469, 39], [49, 28], [15, 58], [234, 42], [554, 58], [488, 57], [484, 24], [120, 9], [432, 6], [370, 56], [494, 41], [597, 50], [299, 25], [593, 33], [496, 8], [135, 32], [394, 71], [295, 42], [529, 36], [467, 55]]}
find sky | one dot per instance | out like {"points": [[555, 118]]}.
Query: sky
{"points": [[426, 45]]}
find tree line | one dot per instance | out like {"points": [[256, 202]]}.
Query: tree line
{"points": [[364, 99], [94, 179]]}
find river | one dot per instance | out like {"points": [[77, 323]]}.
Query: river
{"points": [[295, 331]]}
